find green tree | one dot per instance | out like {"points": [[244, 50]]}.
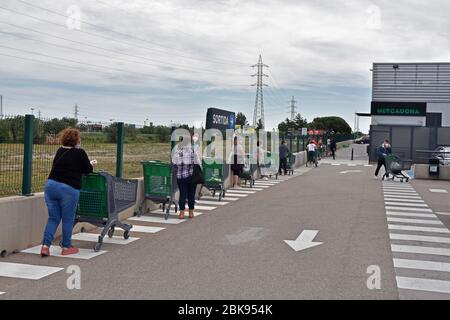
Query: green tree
{"points": [[241, 119], [337, 124]]}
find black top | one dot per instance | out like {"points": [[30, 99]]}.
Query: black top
{"points": [[69, 165]]}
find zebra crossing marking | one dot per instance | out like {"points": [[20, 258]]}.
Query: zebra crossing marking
{"points": [[219, 203], [417, 205], [404, 200], [390, 208], [196, 213], [422, 265], [419, 284], [144, 229], [155, 220], [92, 237], [239, 195], [413, 237], [415, 221], [411, 214], [438, 191], [83, 254], [421, 250], [26, 271], [421, 229], [217, 199]]}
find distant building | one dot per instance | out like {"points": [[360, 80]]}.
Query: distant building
{"points": [[410, 107]]}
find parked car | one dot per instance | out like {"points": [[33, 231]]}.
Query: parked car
{"points": [[443, 154], [363, 140]]}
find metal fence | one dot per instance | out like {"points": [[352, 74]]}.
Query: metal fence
{"points": [[28, 146]]}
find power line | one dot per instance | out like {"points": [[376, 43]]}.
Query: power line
{"points": [[96, 53], [140, 14], [129, 36]]}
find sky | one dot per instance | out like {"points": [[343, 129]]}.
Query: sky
{"points": [[169, 60]]}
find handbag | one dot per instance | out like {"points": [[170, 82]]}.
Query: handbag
{"points": [[197, 175]]}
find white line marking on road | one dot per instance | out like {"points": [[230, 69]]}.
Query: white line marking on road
{"points": [[26, 271], [421, 250], [402, 197], [415, 221], [156, 220], [410, 214], [2, 293], [172, 213], [246, 189], [428, 285], [84, 254], [218, 203], [336, 164], [422, 265], [415, 228], [390, 193], [262, 185], [438, 191], [215, 199], [239, 191], [239, 195], [145, 229], [390, 208], [92, 237], [404, 200], [368, 165], [443, 213], [399, 190], [417, 205], [352, 165], [413, 237], [350, 171], [206, 208]]}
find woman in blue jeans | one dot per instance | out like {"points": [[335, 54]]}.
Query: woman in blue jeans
{"points": [[184, 157], [62, 190]]}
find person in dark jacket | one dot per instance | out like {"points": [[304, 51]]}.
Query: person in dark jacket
{"points": [[382, 151], [333, 147], [62, 190], [283, 153]]}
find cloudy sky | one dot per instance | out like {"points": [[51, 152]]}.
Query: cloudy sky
{"points": [[169, 60]]}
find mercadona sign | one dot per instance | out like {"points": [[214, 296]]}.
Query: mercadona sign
{"points": [[406, 109]]}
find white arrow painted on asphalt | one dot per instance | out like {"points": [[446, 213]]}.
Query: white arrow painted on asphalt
{"points": [[350, 171], [304, 241]]}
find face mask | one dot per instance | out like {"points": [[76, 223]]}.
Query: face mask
{"points": [[195, 139]]}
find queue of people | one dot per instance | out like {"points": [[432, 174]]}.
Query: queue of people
{"points": [[71, 162]]}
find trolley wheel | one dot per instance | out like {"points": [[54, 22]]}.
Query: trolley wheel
{"points": [[220, 196], [407, 179], [214, 193], [111, 232], [126, 235], [401, 180], [98, 247]]}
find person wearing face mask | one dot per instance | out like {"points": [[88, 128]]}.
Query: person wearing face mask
{"points": [[382, 151], [62, 190]]}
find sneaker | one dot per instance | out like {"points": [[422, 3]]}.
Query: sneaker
{"points": [[45, 251], [69, 251]]}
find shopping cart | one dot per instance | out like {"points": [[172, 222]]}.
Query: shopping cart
{"points": [[248, 173], [159, 187], [395, 166], [270, 166], [290, 164], [102, 198], [213, 174]]}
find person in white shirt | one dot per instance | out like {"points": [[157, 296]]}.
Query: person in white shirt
{"points": [[311, 147]]}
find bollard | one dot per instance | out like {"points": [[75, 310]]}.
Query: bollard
{"points": [[352, 153], [119, 154], [27, 155]]}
